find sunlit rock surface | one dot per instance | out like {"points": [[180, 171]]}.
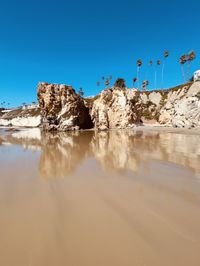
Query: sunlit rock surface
{"points": [[182, 108], [116, 108], [62, 108], [21, 117]]}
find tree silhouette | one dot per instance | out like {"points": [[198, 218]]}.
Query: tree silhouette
{"points": [[145, 83], [139, 64], [158, 63], [190, 57], [166, 54], [120, 83], [134, 81], [182, 61], [80, 92], [107, 82]]}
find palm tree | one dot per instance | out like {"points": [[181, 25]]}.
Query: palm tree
{"points": [[158, 63], [134, 80], [80, 92], [182, 61], [145, 83], [107, 82], [139, 64], [166, 54], [190, 57], [150, 63]]}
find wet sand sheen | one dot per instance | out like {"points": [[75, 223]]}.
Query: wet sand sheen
{"points": [[119, 208]]}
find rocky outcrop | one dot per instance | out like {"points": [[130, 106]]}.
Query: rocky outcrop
{"points": [[113, 108], [175, 107], [62, 108], [116, 108], [182, 107], [21, 117]]}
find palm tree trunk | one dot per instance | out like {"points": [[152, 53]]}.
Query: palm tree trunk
{"points": [[183, 72], [163, 67], [138, 70], [188, 71]]}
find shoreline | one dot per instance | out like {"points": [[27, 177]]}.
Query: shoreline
{"points": [[145, 128]]}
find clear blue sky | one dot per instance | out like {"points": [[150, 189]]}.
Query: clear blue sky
{"points": [[76, 42]]}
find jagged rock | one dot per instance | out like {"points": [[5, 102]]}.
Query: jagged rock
{"points": [[116, 108], [182, 108], [62, 108]]}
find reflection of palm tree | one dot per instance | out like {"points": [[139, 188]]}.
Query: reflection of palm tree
{"points": [[182, 61], [166, 54], [190, 57], [139, 64]]}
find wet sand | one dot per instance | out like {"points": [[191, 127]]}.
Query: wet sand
{"points": [[91, 199]]}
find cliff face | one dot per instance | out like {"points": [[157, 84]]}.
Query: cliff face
{"points": [[21, 117], [176, 107], [182, 107], [116, 108], [62, 108]]}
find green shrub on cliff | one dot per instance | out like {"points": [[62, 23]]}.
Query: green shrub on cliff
{"points": [[120, 83]]}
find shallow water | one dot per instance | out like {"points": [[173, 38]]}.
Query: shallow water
{"points": [[115, 198]]}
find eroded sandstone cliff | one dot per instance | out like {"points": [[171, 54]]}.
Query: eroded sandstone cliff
{"points": [[116, 108], [62, 108]]}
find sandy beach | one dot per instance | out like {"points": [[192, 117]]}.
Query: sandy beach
{"points": [[109, 198]]}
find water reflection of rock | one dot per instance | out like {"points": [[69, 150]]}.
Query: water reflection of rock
{"points": [[115, 149], [62, 153]]}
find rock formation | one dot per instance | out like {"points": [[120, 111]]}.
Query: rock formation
{"points": [[182, 107], [116, 108], [175, 107], [62, 108], [21, 117]]}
